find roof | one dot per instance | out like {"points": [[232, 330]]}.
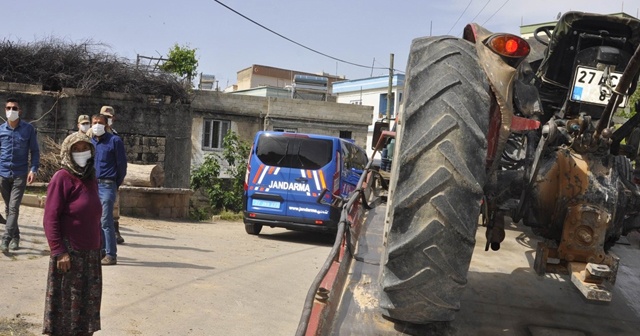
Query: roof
{"points": [[371, 83]]}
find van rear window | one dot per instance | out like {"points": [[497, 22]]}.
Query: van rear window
{"points": [[293, 152]]}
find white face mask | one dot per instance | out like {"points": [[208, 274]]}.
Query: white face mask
{"points": [[81, 158], [12, 115], [98, 129], [84, 128], [110, 121]]}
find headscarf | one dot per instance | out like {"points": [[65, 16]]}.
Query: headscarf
{"points": [[67, 161]]}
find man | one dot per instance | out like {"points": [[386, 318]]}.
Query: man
{"points": [[109, 112], [84, 124], [111, 168], [18, 141]]}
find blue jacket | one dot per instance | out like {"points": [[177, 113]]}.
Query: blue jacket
{"points": [[111, 158], [15, 146]]}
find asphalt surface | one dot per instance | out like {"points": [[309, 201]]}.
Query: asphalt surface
{"points": [[177, 278]]}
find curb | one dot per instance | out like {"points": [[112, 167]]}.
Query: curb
{"points": [[33, 200]]}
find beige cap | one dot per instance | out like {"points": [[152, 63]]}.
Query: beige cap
{"points": [[107, 110], [82, 118]]}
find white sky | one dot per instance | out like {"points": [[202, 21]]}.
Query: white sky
{"points": [[357, 31]]}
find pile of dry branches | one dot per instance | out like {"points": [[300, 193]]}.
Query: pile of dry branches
{"points": [[49, 159], [56, 64]]}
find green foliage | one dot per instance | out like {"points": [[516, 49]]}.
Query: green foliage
{"points": [[223, 193], [181, 61], [631, 104], [198, 214], [231, 216]]}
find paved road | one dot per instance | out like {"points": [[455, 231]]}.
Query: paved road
{"points": [[179, 278]]}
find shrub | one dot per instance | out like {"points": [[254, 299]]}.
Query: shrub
{"points": [[225, 194]]}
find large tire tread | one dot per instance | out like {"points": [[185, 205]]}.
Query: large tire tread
{"points": [[437, 181]]}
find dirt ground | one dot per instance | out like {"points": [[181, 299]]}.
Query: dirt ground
{"points": [[176, 278]]}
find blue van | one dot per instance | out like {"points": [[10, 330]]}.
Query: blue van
{"points": [[286, 174]]}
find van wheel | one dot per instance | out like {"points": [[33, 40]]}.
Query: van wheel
{"points": [[437, 181], [253, 229]]}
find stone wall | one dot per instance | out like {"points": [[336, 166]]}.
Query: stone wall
{"points": [[154, 202], [154, 130]]}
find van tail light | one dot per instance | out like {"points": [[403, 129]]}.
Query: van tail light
{"points": [[318, 222], [336, 176], [246, 175]]}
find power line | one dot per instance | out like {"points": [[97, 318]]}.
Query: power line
{"points": [[460, 17], [483, 7], [294, 42], [496, 12]]}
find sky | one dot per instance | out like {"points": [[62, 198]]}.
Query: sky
{"points": [[364, 33]]}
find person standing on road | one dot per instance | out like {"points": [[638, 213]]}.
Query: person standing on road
{"points": [[109, 112], [72, 227], [111, 168], [18, 141]]}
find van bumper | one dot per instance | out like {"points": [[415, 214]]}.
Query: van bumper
{"points": [[291, 223]]}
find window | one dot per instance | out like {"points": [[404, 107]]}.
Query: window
{"points": [[214, 132], [354, 156], [345, 134], [294, 152], [383, 105]]}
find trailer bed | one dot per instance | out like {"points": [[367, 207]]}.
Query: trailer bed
{"points": [[503, 295]]}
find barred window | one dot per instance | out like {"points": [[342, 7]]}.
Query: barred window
{"points": [[214, 132]]}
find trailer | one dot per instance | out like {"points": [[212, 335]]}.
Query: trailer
{"points": [[506, 297]]}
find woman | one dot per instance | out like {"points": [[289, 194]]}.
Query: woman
{"points": [[72, 226]]}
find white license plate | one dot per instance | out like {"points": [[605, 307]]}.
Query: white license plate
{"points": [[265, 204], [588, 86]]}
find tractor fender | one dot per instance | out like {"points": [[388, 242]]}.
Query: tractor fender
{"points": [[501, 79]]}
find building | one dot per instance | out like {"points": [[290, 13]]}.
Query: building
{"points": [[216, 113], [372, 92], [265, 76]]}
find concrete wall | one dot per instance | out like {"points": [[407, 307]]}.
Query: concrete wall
{"points": [[154, 131]]}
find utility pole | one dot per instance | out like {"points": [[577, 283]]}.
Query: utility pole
{"points": [[390, 91]]}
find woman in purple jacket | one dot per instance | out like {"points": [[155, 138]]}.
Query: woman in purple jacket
{"points": [[72, 226]]}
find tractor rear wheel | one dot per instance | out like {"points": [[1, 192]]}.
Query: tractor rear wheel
{"points": [[437, 181]]}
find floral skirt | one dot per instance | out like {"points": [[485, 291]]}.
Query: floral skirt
{"points": [[72, 303]]}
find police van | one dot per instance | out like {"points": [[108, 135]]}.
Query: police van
{"points": [[286, 174]]}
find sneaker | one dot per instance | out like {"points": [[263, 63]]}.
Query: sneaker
{"points": [[119, 239], [109, 260], [14, 244], [4, 246]]}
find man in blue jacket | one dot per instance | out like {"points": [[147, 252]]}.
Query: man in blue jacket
{"points": [[18, 140], [111, 168]]}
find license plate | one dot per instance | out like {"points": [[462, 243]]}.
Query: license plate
{"points": [[588, 86], [265, 204]]}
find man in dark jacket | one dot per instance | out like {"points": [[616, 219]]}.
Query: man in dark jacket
{"points": [[111, 168]]}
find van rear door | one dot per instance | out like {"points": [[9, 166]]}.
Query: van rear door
{"points": [[312, 169], [294, 168], [270, 152]]}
